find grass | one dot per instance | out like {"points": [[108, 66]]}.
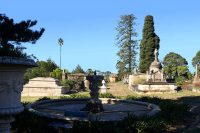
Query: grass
{"points": [[174, 96], [177, 95], [28, 99]]}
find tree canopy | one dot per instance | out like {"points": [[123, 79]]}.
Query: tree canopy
{"points": [[57, 73], [127, 45], [150, 41], [13, 34], [175, 67], [43, 70], [174, 59], [196, 59], [78, 69]]}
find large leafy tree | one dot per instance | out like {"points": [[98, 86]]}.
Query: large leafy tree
{"points": [[57, 73], [196, 61], [43, 70], [127, 45], [175, 66], [150, 41], [13, 34]]}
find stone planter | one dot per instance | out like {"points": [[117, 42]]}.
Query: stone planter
{"points": [[11, 84]]}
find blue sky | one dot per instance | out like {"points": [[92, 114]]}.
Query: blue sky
{"points": [[88, 28]]}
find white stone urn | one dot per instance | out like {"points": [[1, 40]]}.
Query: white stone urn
{"points": [[11, 85]]}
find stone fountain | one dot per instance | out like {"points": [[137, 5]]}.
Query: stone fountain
{"points": [[93, 108]]}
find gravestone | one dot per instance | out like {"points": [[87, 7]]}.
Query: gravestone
{"points": [[103, 87]]}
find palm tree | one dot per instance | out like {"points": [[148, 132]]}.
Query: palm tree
{"points": [[60, 42]]}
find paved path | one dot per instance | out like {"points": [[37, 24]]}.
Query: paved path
{"points": [[119, 89]]}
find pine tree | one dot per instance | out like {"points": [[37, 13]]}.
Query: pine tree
{"points": [[127, 46], [150, 41], [13, 34]]}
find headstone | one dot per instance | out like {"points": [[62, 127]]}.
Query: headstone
{"points": [[64, 75], [86, 83], [103, 87]]}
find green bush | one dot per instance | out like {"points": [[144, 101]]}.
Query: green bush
{"points": [[68, 83], [179, 80], [79, 96], [171, 111], [106, 95], [43, 98]]}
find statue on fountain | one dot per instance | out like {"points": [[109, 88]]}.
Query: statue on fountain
{"points": [[94, 105]]}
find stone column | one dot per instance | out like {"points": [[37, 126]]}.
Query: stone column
{"points": [[196, 73], [63, 75]]}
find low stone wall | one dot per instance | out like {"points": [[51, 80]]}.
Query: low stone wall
{"points": [[154, 88]]}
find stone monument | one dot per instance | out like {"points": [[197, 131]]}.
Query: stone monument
{"points": [[155, 73], [155, 79], [103, 87], [86, 83]]}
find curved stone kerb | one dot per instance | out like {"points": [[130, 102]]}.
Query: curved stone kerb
{"points": [[151, 109]]}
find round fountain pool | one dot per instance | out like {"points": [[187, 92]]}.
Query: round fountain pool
{"points": [[70, 109]]}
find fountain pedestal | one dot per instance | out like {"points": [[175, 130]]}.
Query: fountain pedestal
{"points": [[94, 105]]}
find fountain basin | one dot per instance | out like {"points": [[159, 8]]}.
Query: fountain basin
{"points": [[70, 109]]}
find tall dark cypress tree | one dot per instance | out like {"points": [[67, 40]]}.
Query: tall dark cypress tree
{"points": [[127, 45], [150, 41]]}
